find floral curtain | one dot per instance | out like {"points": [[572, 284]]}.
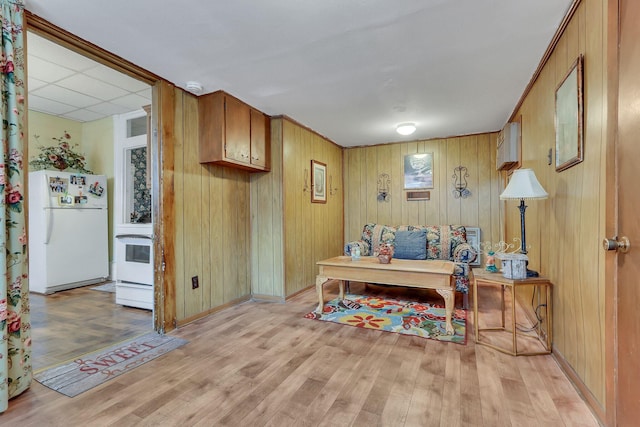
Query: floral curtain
{"points": [[15, 327]]}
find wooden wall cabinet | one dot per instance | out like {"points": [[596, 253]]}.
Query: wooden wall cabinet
{"points": [[233, 133]]}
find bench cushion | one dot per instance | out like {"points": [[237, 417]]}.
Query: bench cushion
{"points": [[410, 244]]}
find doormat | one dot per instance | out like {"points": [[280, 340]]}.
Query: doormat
{"points": [[393, 315], [107, 287], [95, 368]]}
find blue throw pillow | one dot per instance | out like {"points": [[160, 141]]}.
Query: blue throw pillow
{"points": [[411, 244]]}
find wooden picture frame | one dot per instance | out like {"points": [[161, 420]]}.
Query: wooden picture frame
{"points": [[318, 182], [418, 171], [569, 118]]}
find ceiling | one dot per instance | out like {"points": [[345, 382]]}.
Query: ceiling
{"points": [[350, 70], [65, 84]]}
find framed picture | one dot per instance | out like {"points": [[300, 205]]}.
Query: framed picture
{"points": [[318, 182], [569, 118], [473, 238], [65, 200], [418, 171]]}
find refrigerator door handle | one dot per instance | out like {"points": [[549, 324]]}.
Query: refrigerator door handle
{"points": [[47, 225]]}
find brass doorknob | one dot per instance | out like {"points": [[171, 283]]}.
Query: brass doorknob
{"points": [[621, 244]]}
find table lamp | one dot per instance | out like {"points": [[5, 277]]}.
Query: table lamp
{"points": [[524, 185]]}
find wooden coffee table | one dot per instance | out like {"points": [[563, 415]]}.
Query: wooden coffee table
{"points": [[425, 274]]}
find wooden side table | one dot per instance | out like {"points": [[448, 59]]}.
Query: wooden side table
{"points": [[498, 279]]}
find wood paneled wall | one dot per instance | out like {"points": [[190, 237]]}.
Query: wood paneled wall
{"points": [[211, 226], [565, 230], [290, 234], [481, 209]]}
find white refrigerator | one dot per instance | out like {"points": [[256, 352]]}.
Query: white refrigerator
{"points": [[68, 230]]}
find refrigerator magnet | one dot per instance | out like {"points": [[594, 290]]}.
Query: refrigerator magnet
{"points": [[58, 185], [96, 189], [80, 200], [65, 200], [78, 180]]}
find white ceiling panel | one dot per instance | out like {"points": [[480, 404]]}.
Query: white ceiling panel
{"points": [[108, 109], [83, 116], [132, 101], [54, 92], [47, 71], [66, 83], [48, 106], [92, 87], [115, 78]]}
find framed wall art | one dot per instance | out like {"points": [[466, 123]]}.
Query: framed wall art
{"points": [[318, 182], [418, 171], [569, 118], [473, 238]]}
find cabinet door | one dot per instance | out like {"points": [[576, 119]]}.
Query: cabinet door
{"points": [[237, 130], [259, 126]]}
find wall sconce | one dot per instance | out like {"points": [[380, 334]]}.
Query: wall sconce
{"points": [[460, 175], [332, 191], [383, 187], [306, 181]]}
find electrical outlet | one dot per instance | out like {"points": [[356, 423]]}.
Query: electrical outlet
{"points": [[194, 282]]}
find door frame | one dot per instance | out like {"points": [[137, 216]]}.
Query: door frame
{"points": [[164, 308]]}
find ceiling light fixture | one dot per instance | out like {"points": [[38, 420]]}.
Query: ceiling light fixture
{"points": [[194, 87], [406, 128]]}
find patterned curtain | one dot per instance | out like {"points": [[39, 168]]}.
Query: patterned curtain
{"points": [[15, 327]]}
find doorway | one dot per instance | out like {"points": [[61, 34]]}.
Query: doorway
{"points": [[73, 100]]}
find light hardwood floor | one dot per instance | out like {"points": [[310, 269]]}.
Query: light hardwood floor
{"points": [[265, 364], [78, 321]]}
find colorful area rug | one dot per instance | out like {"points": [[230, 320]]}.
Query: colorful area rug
{"points": [[93, 369], [394, 315]]}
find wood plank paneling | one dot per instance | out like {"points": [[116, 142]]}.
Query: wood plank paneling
{"points": [[566, 228], [481, 209], [211, 237]]}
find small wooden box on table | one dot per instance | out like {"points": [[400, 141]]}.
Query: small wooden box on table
{"points": [[480, 278], [425, 274]]}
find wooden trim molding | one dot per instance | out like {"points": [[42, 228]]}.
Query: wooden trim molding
{"points": [[285, 117], [583, 390], [64, 38]]}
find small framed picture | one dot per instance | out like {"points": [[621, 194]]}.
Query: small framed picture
{"points": [[318, 182], [418, 171], [569, 119], [65, 200], [473, 238], [80, 200]]}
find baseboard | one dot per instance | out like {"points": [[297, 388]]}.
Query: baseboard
{"points": [[267, 298], [299, 292], [593, 404]]}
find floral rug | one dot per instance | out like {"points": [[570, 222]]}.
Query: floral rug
{"points": [[393, 315]]}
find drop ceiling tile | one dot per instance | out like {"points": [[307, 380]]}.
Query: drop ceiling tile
{"points": [[48, 106], [132, 101], [34, 83], [92, 87], [65, 95], [47, 71], [83, 116], [146, 93], [116, 78], [108, 109], [54, 53]]}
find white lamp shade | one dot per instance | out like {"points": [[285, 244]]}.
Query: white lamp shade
{"points": [[524, 185]]}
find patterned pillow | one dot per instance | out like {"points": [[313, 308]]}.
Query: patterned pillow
{"points": [[411, 244]]}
